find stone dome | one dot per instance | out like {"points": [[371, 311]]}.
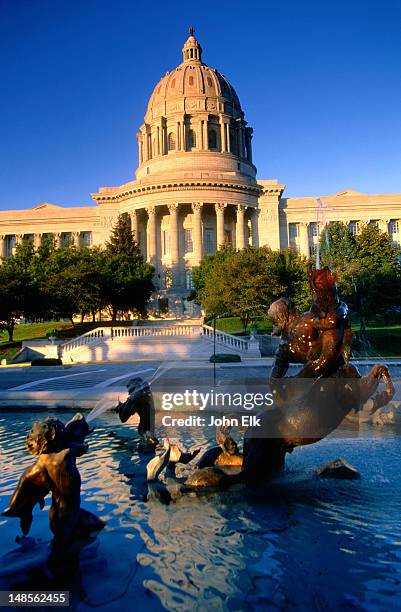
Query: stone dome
{"points": [[193, 86], [194, 123]]}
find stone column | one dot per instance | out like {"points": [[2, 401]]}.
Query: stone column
{"points": [[240, 234], [205, 143], [240, 141], [57, 240], [140, 148], [248, 142], [2, 245], [197, 232], [151, 232], [223, 135], [145, 144], [37, 239], [174, 243], [228, 144], [220, 225], [178, 136], [304, 239], [134, 225], [75, 239], [184, 136], [383, 225], [255, 227]]}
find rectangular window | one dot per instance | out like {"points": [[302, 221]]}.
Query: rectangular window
{"points": [[188, 241], [166, 242], [293, 231], [228, 237], [66, 238], [314, 229], [374, 222], [86, 238], [209, 240], [189, 283], [354, 227], [393, 227]]}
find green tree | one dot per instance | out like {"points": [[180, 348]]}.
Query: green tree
{"points": [[18, 291], [367, 267], [122, 239], [127, 279], [244, 282]]}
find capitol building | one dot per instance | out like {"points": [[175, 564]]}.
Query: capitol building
{"points": [[196, 188]]}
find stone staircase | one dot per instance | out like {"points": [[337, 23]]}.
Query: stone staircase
{"points": [[171, 341]]}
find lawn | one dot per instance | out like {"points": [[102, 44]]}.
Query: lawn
{"points": [[33, 331], [233, 325], [385, 340], [27, 331]]}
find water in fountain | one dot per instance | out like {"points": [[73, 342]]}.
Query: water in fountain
{"points": [[108, 403]]}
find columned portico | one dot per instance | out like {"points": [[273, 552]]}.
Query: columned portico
{"points": [[240, 236], [174, 243], [134, 225], [255, 227], [197, 232], [152, 235], [220, 225]]}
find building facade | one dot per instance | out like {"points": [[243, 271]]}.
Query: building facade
{"points": [[196, 189]]}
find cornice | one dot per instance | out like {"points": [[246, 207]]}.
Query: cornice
{"points": [[169, 186]]}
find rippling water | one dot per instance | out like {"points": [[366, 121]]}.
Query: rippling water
{"points": [[300, 543]]}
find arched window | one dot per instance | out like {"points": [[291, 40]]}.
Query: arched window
{"points": [[171, 141], [192, 139], [212, 137]]}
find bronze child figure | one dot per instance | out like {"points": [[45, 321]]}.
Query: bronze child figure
{"points": [[57, 447]]}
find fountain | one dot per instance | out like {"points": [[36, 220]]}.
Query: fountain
{"points": [[314, 402], [57, 447]]}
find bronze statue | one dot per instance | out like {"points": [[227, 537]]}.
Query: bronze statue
{"points": [[311, 404], [308, 410], [140, 402], [57, 447]]}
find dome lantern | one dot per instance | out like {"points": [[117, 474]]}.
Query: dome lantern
{"points": [[192, 51]]}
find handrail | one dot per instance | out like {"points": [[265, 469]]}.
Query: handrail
{"points": [[225, 338], [117, 332]]}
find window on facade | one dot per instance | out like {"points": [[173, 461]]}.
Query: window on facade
{"points": [[191, 139], [86, 238], [66, 238], [354, 227], [188, 241], [10, 245], [189, 283], [171, 141], [209, 81], [374, 222], [168, 279], [293, 231], [314, 229], [212, 137], [228, 237], [209, 240], [191, 79], [166, 242], [393, 227]]}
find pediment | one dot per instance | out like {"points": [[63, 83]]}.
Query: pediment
{"points": [[348, 192], [44, 206]]}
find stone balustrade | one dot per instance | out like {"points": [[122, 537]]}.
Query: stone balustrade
{"points": [[240, 344], [115, 333]]}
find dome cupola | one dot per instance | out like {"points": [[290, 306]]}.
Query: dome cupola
{"points": [[194, 110], [192, 51]]}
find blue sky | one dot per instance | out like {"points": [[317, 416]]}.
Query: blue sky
{"points": [[319, 82]]}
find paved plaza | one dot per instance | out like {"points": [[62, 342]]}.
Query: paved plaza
{"points": [[82, 386]]}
